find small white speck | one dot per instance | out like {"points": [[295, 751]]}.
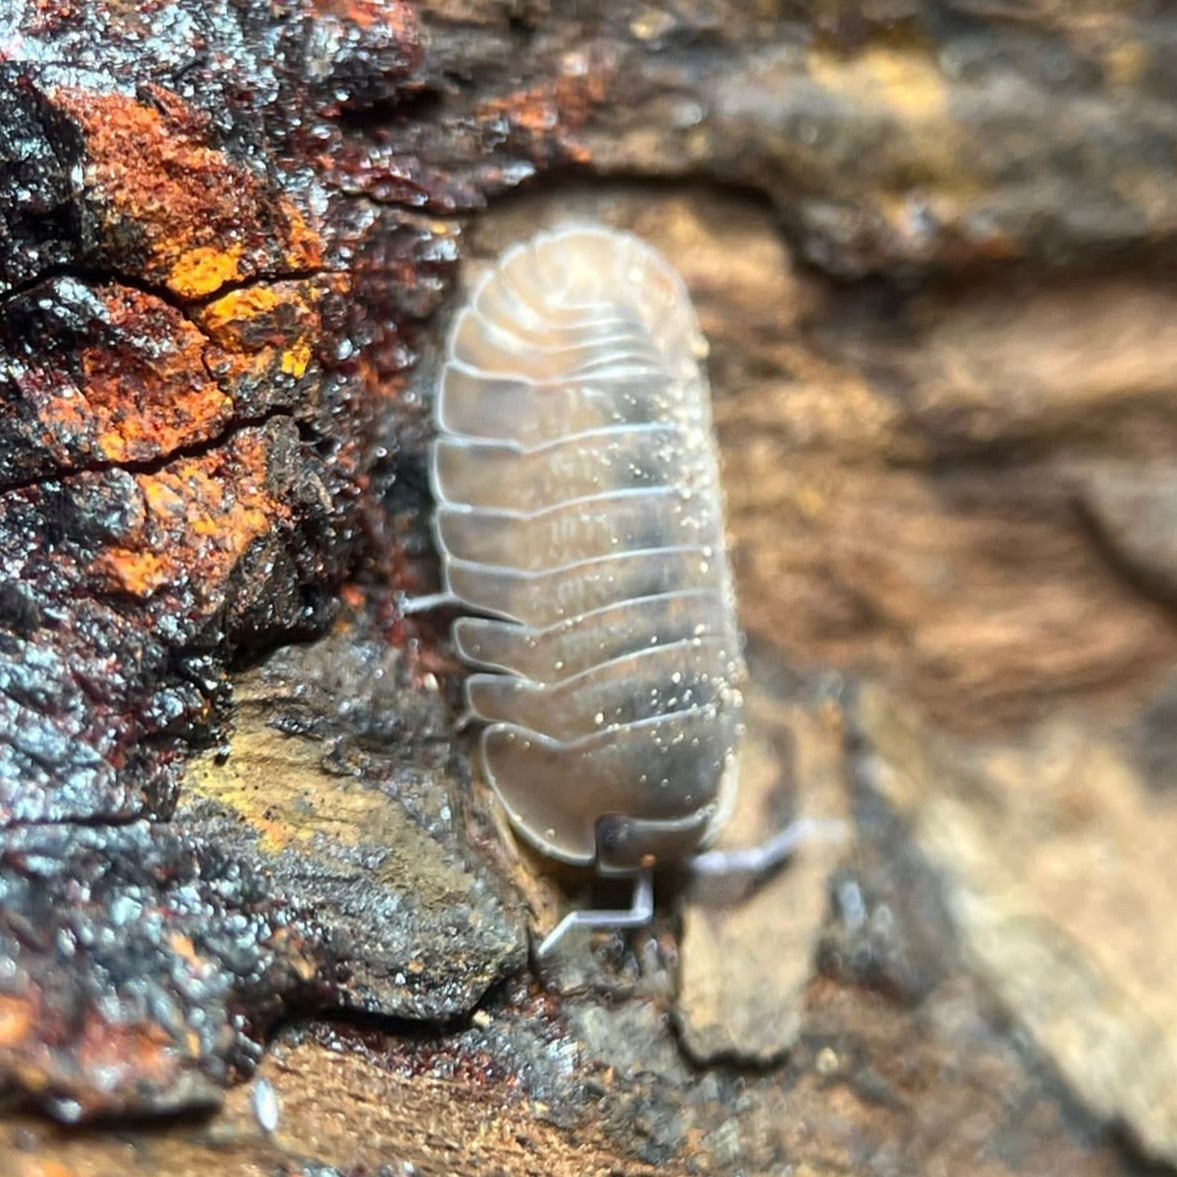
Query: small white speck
{"points": [[853, 906], [264, 1101]]}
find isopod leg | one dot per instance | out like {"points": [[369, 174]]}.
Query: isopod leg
{"points": [[638, 915], [425, 603], [759, 860]]}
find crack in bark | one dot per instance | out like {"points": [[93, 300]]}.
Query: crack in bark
{"points": [[92, 276], [156, 465], [94, 821], [261, 278]]}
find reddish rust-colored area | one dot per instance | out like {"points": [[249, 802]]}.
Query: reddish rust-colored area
{"points": [[546, 117], [105, 374], [16, 1019], [123, 1052], [114, 374], [392, 18], [128, 1053]]}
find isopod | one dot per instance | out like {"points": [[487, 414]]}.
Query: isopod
{"points": [[579, 516]]}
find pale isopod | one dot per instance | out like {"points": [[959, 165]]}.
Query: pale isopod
{"points": [[579, 513]]}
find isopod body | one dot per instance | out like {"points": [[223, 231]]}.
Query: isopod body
{"points": [[579, 516]]}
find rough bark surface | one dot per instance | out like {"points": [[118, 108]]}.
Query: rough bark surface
{"points": [[929, 241]]}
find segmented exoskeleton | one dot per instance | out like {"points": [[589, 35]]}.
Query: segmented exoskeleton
{"points": [[579, 512]]}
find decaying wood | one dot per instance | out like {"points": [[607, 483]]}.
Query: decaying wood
{"points": [[929, 245]]}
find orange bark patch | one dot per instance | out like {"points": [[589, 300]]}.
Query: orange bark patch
{"points": [[16, 1017], [183, 947], [265, 331], [199, 219], [36, 1168], [397, 18], [116, 375], [200, 516], [139, 1051], [205, 269], [147, 390]]}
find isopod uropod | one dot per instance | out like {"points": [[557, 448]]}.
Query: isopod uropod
{"points": [[579, 515]]}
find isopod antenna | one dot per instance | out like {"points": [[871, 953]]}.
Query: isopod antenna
{"points": [[639, 914]]}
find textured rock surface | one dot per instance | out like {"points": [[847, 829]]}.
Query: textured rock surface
{"points": [[928, 242], [341, 785], [1058, 892], [746, 959]]}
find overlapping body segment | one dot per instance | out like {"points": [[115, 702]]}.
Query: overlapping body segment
{"points": [[579, 511]]}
